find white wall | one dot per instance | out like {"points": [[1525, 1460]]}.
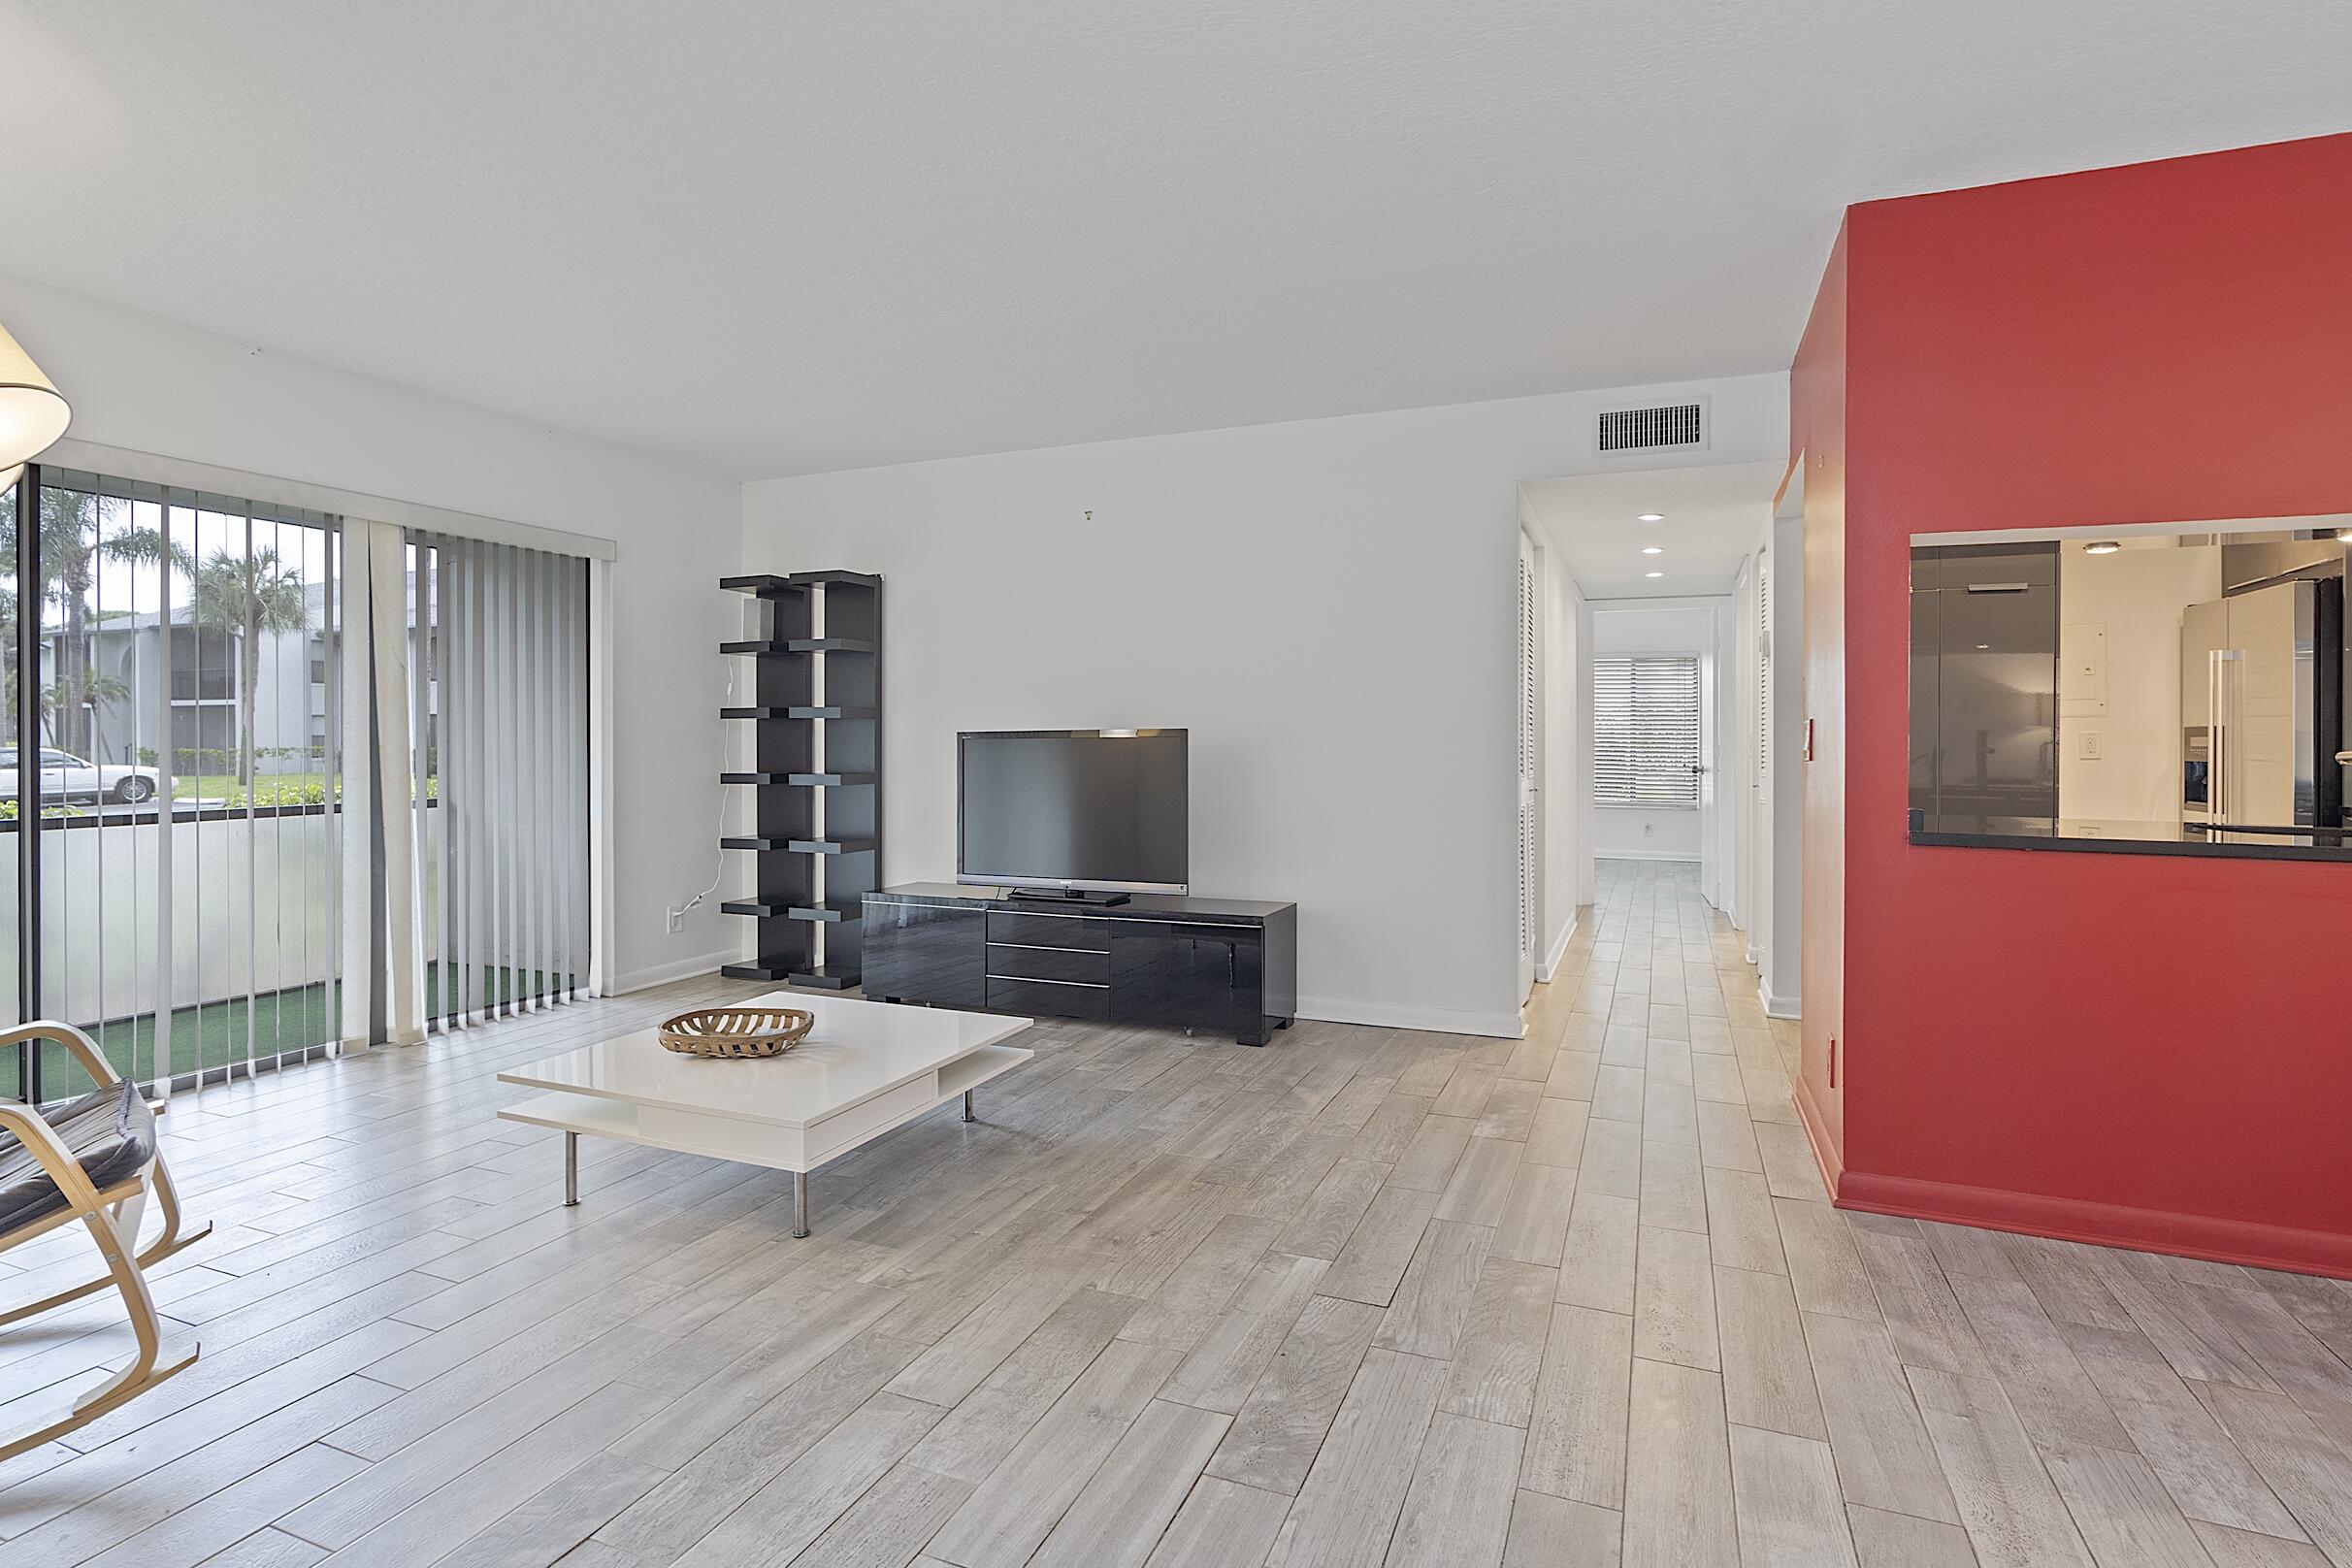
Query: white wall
{"points": [[1648, 832], [2136, 595], [1630, 833], [152, 387], [1327, 606]]}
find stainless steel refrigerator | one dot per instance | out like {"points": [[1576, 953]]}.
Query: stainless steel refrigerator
{"points": [[1984, 683], [2261, 707]]}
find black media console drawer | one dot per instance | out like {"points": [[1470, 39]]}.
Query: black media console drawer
{"points": [[1219, 965], [1091, 933], [1047, 998], [1008, 962]]}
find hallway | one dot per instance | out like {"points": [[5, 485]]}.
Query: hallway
{"points": [[1754, 1377]]}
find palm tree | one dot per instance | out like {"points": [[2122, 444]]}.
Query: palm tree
{"points": [[71, 549], [248, 595], [97, 687]]}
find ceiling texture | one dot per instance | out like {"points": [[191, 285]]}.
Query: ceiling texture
{"points": [[771, 239]]}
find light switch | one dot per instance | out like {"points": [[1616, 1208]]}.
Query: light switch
{"points": [[2089, 751]]}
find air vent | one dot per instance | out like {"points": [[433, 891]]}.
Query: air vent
{"points": [[1673, 425]]}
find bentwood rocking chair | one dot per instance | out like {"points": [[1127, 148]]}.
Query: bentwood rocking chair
{"points": [[93, 1159]]}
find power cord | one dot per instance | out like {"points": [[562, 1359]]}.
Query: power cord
{"points": [[695, 903]]}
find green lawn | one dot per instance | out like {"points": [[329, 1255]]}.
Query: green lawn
{"points": [[217, 1033]]}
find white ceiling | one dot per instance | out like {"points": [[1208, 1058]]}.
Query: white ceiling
{"points": [[781, 238], [1713, 517]]}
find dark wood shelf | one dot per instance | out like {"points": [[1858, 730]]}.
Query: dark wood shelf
{"points": [[786, 909], [832, 846], [763, 585], [826, 713], [823, 977], [757, 778], [837, 579], [757, 713], [831, 781], [778, 648], [763, 845], [759, 970]]}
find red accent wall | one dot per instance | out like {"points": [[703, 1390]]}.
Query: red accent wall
{"points": [[2146, 1050]]}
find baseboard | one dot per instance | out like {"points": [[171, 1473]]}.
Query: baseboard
{"points": [[1777, 1006], [1825, 1153], [1550, 965], [1615, 855], [1436, 1020], [662, 974], [2103, 1224]]}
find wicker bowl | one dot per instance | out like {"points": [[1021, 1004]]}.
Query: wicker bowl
{"points": [[736, 1034]]}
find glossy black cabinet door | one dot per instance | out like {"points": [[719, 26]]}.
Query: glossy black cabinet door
{"points": [[916, 951], [1188, 976]]}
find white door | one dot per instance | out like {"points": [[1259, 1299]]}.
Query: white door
{"points": [[1530, 760]]}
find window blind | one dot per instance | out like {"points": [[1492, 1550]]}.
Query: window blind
{"points": [[1646, 730], [499, 704]]}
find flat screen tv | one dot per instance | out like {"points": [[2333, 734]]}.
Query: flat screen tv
{"points": [[1074, 810]]}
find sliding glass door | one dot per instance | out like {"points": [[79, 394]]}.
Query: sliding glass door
{"points": [[178, 666], [172, 830]]}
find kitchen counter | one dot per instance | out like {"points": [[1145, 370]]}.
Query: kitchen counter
{"points": [[2116, 837]]}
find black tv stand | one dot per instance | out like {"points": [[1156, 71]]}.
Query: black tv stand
{"points": [[1092, 898], [1219, 965]]}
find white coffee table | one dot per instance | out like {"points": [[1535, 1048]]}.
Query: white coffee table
{"points": [[863, 1068]]}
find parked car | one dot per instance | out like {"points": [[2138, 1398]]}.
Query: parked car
{"points": [[65, 776]]}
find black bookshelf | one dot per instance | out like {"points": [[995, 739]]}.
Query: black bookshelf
{"points": [[813, 645]]}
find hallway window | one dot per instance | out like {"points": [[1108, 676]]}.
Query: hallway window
{"points": [[1646, 730]]}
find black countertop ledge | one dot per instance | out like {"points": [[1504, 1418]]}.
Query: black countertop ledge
{"points": [[2111, 836]]}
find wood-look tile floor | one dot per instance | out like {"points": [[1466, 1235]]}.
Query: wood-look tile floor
{"points": [[1365, 1296]]}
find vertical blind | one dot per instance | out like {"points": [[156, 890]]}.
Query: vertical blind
{"points": [[1646, 730], [499, 727], [170, 742]]}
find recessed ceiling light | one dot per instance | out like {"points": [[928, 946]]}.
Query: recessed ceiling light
{"points": [[1653, 573], [2344, 536], [1651, 517], [1653, 549], [1985, 647], [2102, 547]]}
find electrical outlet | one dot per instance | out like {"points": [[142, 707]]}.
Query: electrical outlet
{"points": [[677, 920], [2090, 745]]}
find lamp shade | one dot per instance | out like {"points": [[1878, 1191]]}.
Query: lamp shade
{"points": [[32, 413]]}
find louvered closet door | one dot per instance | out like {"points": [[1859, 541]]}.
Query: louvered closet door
{"points": [[1530, 760]]}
